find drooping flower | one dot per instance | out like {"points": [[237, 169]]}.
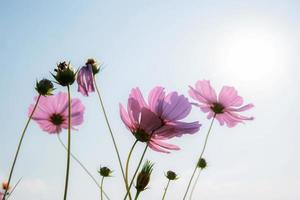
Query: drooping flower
{"points": [[159, 119], [85, 77], [52, 113], [225, 107]]}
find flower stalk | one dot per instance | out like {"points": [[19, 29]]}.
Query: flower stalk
{"points": [[110, 131], [127, 167], [69, 144], [19, 146], [201, 154], [166, 189]]}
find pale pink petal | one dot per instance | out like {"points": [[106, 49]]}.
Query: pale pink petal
{"points": [[85, 80], [229, 97], [137, 95], [134, 110], [177, 129], [175, 107], [155, 99], [205, 90], [243, 108], [125, 118], [157, 148]]}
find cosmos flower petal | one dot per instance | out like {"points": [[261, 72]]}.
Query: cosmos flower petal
{"points": [[229, 97], [155, 99], [149, 121], [243, 108], [125, 118], [55, 107], [85, 80], [137, 95], [175, 107], [205, 91], [134, 110]]}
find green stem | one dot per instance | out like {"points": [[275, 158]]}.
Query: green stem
{"points": [[13, 189], [19, 145], [137, 195], [166, 190], [127, 167], [69, 144], [195, 184], [201, 154], [102, 187], [110, 131], [82, 166], [137, 169]]}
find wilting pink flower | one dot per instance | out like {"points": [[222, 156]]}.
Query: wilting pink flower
{"points": [[225, 108], [158, 120], [85, 80], [52, 112]]}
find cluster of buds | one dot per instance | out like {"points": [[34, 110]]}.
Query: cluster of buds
{"points": [[143, 178], [201, 163], [105, 171], [65, 74]]}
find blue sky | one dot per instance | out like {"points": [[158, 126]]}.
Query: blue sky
{"points": [[251, 45]]}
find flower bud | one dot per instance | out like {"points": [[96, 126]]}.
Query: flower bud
{"points": [[94, 64], [171, 175], [44, 87], [5, 186], [105, 171], [65, 74], [201, 163], [144, 176]]}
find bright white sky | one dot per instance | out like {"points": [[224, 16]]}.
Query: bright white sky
{"points": [[251, 45]]}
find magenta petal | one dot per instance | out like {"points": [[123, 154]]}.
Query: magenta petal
{"points": [[243, 108], [134, 110], [229, 97]]}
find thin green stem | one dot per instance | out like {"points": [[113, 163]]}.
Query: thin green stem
{"points": [[102, 180], [127, 167], [195, 183], [14, 188], [137, 169], [166, 190], [82, 166], [19, 145], [137, 195], [201, 154], [110, 130], [69, 144]]}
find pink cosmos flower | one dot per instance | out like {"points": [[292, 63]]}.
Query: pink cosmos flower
{"points": [[85, 80], [52, 112], [225, 108], [158, 120]]}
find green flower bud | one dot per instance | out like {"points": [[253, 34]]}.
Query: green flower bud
{"points": [[202, 163], [143, 178], [65, 74], [105, 171], [171, 175], [44, 87], [94, 64]]}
